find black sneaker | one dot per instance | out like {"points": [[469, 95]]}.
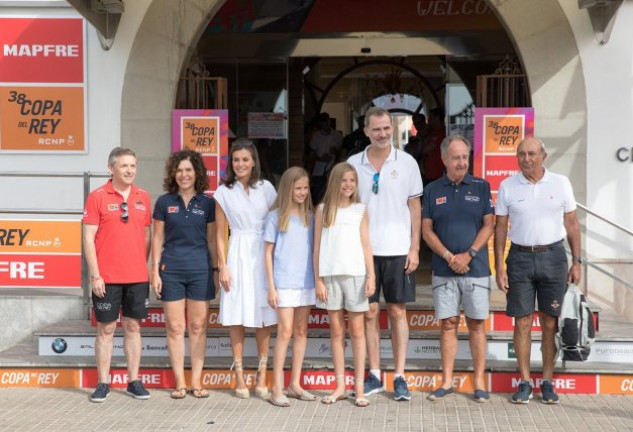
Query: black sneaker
{"points": [[373, 385], [401, 389], [548, 394], [136, 389], [523, 394], [100, 394]]}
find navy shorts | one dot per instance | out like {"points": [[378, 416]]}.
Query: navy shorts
{"points": [[133, 298], [540, 276], [193, 285], [397, 286]]}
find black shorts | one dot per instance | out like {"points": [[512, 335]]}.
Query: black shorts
{"points": [[397, 286], [133, 298], [540, 276]]}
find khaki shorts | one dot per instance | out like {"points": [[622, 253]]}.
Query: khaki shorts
{"points": [[345, 292]]}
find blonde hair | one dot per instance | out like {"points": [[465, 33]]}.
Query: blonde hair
{"points": [[332, 197], [283, 202]]}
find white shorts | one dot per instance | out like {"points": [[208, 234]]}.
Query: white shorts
{"points": [[295, 297]]}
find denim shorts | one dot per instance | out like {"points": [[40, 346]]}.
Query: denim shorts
{"points": [[193, 285]]}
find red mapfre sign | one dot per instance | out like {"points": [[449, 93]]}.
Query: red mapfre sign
{"points": [[42, 50], [40, 271]]}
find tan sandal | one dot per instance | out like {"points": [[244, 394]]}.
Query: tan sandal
{"points": [[361, 402], [331, 399], [179, 393], [261, 392], [281, 401], [199, 393], [239, 393], [304, 395]]}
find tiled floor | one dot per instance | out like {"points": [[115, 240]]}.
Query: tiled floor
{"points": [[70, 410]]}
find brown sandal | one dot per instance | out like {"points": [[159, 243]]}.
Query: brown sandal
{"points": [[179, 393], [199, 393]]}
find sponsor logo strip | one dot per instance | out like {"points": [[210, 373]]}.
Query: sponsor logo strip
{"points": [[40, 378], [563, 383], [502, 322], [429, 381], [616, 384], [426, 320], [41, 236], [312, 380], [318, 319]]}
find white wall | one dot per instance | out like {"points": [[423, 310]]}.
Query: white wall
{"points": [[608, 71]]}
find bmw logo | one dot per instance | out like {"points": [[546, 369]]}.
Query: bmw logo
{"points": [[59, 345]]}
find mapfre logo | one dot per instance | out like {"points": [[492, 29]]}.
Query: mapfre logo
{"points": [[36, 50]]}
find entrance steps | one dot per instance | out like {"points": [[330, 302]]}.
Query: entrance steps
{"points": [[62, 355]]}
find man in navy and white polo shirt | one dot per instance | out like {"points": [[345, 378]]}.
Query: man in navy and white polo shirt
{"points": [[541, 209], [458, 220], [390, 185]]}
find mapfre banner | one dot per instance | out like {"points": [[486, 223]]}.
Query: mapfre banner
{"points": [[42, 85], [42, 50]]}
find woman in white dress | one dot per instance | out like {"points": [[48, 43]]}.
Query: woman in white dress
{"points": [[243, 202]]}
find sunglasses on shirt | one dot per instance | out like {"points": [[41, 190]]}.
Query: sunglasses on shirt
{"points": [[125, 215], [374, 186]]}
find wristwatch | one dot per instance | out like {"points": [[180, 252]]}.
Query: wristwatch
{"points": [[472, 252]]}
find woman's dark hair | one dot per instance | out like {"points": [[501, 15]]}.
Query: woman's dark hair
{"points": [[202, 181], [243, 144]]}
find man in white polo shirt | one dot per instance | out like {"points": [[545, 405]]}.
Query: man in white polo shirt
{"points": [[541, 209], [389, 183]]}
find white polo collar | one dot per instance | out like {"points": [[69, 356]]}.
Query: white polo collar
{"points": [[393, 155]]}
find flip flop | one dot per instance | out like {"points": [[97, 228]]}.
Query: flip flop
{"points": [[281, 401], [361, 402], [330, 400], [179, 393], [303, 396], [199, 393]]}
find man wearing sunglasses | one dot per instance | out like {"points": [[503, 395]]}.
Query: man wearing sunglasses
{"points": [[389, 183], [458, 220], [116, 238]]}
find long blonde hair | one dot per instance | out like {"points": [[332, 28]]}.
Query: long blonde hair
{"points": [[283, 202], [332, 197]]}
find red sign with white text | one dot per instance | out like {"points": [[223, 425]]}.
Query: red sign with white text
{"points": [[565, 383], [42, 50], [40, 271], [151, 378], [502, 322]]}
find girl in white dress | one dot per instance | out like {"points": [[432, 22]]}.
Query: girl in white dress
{"points": [[243, 201], [344, 273], [289, 237]]}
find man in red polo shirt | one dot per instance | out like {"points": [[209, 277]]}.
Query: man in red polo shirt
{"points": [[116, 238]]}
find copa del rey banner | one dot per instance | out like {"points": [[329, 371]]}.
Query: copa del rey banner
{"points": [[42, 85], [204, 131], [498, 132]]}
